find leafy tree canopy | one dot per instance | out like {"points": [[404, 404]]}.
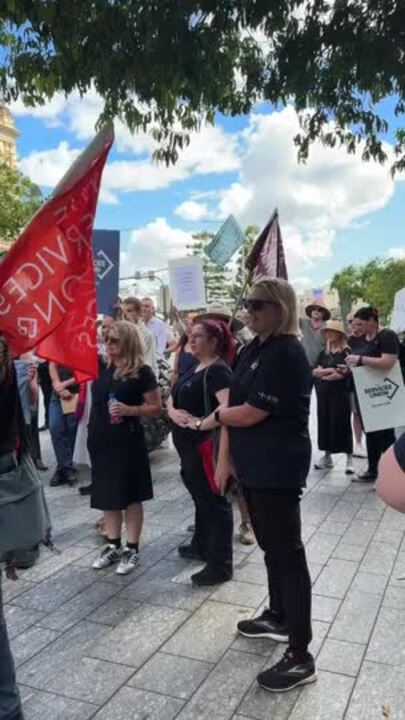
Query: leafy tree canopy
{"points": [[19, 200], [166, 65], [376, 283], [215, 277]]}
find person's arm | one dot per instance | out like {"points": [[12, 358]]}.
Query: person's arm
{"points": [[386, 362], [58, 385], [320, 372], [33, 383]]}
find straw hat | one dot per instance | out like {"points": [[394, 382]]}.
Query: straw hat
{"points": [[334, 325], [317, 305], [217, 311]]}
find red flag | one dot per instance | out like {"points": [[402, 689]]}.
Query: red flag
{"points": [[267, 258], [47, 283]]}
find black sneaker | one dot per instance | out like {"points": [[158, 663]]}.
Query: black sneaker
{"points": [[85, 489], [288, 674], [210, 576], [264, 626], [58, 478], [365, 477], [189, 553]]}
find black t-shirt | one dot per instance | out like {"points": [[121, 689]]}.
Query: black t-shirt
{"points": [[188, 394], [273, 376], [385, 342], [355, 343]]}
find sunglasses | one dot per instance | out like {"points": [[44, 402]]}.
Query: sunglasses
{"points": [[112, 341], [251, 304]]}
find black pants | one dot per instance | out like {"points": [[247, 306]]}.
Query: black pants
{"points": [[276, 521], [213, 515], [377, 443], [46, 387]]}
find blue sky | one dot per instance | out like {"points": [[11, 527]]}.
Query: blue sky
{"points": [[334, 210]]}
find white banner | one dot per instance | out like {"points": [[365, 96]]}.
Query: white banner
{"points": [[381, 397], [187, 283]]}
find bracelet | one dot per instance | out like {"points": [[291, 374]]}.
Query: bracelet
{"points": [[360, 361]]}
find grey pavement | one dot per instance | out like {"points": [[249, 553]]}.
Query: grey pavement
{"points": [[89, 644]]}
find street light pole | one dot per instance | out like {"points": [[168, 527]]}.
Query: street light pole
{"points": [[151, 275]]}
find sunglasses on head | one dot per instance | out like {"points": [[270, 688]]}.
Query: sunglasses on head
{"points": [[254, 304]]}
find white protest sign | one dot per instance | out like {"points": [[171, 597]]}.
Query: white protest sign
{"points": [[398, 315], [381, 397], [187, 283]]}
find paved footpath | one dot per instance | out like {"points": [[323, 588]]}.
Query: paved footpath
{"points": [[150, 647]]}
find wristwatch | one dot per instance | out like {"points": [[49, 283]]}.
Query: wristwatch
{"points": [[360, 361], [198, 423]]}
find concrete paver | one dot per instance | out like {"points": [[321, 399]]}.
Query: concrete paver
{"points": [[93, 645]]}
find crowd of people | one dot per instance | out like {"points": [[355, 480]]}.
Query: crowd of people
{"points": [[239, 407]]}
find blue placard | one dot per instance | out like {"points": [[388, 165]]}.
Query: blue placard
{"points": [[106, 251]]}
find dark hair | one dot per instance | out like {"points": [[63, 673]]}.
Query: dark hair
{"points": [[6, 362], [367, 313], [136, 304], [219, 330]]}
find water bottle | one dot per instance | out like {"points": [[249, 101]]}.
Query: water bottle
{"points": [[114, 419]]}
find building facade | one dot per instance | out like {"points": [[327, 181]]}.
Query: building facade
{"points": [[8, 138]]}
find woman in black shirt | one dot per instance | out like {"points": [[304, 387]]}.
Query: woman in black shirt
{"points": [[380, 351], [334, 407], [125, 391], [264, 432], [197, 393]]}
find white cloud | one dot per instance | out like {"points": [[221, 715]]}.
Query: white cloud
{"points": [[191, 210], [396, 253], [47, 167], [314, 199], [153, 245]]}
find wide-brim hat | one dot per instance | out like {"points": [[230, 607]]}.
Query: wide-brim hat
{"points": [[216, 311], [334, 325], [317, 305]]}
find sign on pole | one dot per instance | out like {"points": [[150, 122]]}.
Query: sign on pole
{"points": [[187, 283], [106, 253], [381, 397]]}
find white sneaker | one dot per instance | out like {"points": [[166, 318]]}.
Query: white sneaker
{"points": [[129, 561], [359, 452], [324, 463], [109, 555], [349, 466]]}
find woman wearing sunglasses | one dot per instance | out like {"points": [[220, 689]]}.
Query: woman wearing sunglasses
{"points": [[264, 433], [125, 391]]}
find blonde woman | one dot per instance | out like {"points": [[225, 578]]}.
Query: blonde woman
{"points": [[264, 433], [334, 403], [125, 391]]}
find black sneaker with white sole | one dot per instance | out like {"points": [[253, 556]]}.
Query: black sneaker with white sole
{"points": [[288, 673], [264, 626]]}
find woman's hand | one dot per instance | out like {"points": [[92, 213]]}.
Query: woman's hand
{"points": [[179, 417], [119, 409], [352, 360], [191, 421], [334, 375], [223, 472], [65, 395]]}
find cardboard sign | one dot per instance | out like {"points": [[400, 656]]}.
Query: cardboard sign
{"points": [[381, 397], [187, 283]]}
